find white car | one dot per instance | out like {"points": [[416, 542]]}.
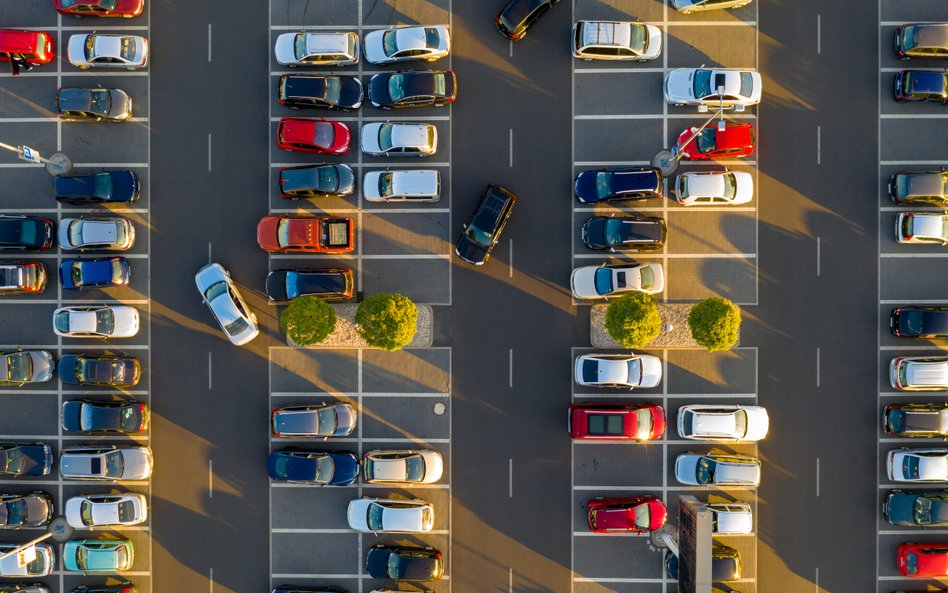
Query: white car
{"points": [[415, 185], [689, 6], [723, 423], [922, 227], [919, 373], [399, 139], [97, 321], [108, 51], [616, 40], [618, 370], [227, 306], [41, 566], [421, 466], [401, 44], [88, 511], [717, 469], [317, 49], [714, 188], [917, 465], [699, 86], [113, 233], [377, 515], [604, 281], [731, 518], [106, 462]]}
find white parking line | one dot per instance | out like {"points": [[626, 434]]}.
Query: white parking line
{"points": [[210, 478], [818, 257], [819, 154], [819, 34], [510, 478], [672, 255], [913, 255], [209, 43], [817, 477], [647, 116], [208, 150]]}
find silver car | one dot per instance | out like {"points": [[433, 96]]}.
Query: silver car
{"points": [[315, 420], [919, 373], [723, 423], [421, 466], [106, 462], [41, 566], [26, 366], [25, 510], [707, 88], [616, 40], [618, 370], [917, 465], [690, 6], [113, 233], [88, 511], [607, 280], [317, 49], [402, 44], [108, 51], [716, 469], [922, 228], [227, 306], [376, 515], [399, 139]]}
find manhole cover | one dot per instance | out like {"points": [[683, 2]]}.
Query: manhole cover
{"points": [[60, 529], [439, 408]]}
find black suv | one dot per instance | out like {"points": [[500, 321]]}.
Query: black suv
{"points": [[423, 88], [514, 20], [482, 233], [331, 284], [316, 181], [606, 185], [913, 187], [628, 233], [919, 322], [324, 92], [108, 186], [28, 233]]}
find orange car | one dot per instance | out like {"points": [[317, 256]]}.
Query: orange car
{"points": [[306, 234]]}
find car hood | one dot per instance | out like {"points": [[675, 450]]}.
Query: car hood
{"points": [[900, 508], [346, 469], [434, 466], [651, 370], [594, 232], [67, 368], [370, 137], [121, 104], [43, 365], [138, 463], [126, 321], [357, 514], [72, 411], [77, 48], [471, 251], [284, 50], [583, 282], [758, 423], [584, 186], [686, 466], [678, 85], [125, 186]]}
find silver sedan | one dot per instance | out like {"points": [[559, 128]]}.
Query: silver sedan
{"points": [[401, 44], [229, 309]]}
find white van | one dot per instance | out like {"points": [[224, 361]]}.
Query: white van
{"points": [[416, 185], [731, 518]]}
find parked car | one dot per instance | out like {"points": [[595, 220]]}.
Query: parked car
{"points": [[725, 564], [919, 322], [34, 48], [320, 468], [910, 509], [122, 587], [22, 277], [306, 234], [721, 470], [608, 185], [313, 135], [921, 85], [377, 515], [75, 104], [723, 423], [413, 88], [221, 296], [628, 233], [108, 51], [616, 40], [103, 272], [618, 370], [518, 16], [690, 6], [927, 560], [922, 228], [19, 232], [616, 422], [96, 321], [320, 92], [42, 565], [402, 44], [736, 140], [106, 462], [98, 555], [607, 280], [403, 467], [317, 181], [34, 588], [104, 8], [118, 186], [25, 459], [919, 373], [919, 187], [25, 510], [482, 233], [91, 416], [404, 563], [26, 366], [714, 188], [731, 518], [922, 40], [399, 139], [336, 419], [88, 511], [917, 465], [330, 284], [740, 89], [916, 420], [113, 233], [409, 185], [104, 370], [317, 49], [636, 514]]}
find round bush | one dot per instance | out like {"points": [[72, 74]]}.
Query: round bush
{"points": [[387, 321], [633, 320], [715, 323], [308, 320]]}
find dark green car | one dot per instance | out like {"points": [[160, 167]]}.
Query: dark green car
{"points": [[929, 509]]}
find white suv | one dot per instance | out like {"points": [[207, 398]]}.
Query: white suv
{"points": [[921, 227], [616, 40], [421, 185], [919, 373]]}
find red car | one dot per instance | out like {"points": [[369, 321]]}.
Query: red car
{"points": [[306, 234], [616, 422], [313, 135], [33, 47], [924, 561], [736, 140], [80, 8], [639, 514]]}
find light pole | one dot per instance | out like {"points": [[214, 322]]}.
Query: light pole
{"points": [[667, 160], [56, 164]]}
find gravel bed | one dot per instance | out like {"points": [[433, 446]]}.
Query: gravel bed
{"points": [[679, 337], [345, 335]]}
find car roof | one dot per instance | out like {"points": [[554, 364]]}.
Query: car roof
{"points": [[930, 34], [317, 43], [928, 224], [75, 99], [20, 40], [737, 135], [607, 33], [925, 372], [321, 281]]}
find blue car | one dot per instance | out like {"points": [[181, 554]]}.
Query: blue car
{"points": [[105, 187], [94, 273], [321, 468]]}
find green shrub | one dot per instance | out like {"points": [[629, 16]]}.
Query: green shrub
{"points": [[308, 320], [387, 321], [633, 320], [715, 323]]}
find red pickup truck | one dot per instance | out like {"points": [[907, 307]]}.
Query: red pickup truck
{"points": [[306, 234]]}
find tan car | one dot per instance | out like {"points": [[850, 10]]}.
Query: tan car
{"points": [[689, 6]]}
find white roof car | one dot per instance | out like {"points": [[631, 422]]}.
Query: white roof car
{"points": [[106, 462], [919, 373], [108, 51], [616, 40], [699, 86], [421, 466], [917, 465], [317, 49], [618, 370], [689, 6], [87, 511], [603, 281], [401, 44], [227, 306], [98, 321], [714, 188], [921, 227], [713, 469], [26, 366], [731, 518], [399, 139], [41, 566], [417, 185], [390, 516], [112, 233], [722, 423]]}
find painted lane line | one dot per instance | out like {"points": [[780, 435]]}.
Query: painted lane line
{"points": [[510, 478], [509, 580], [510, 261], [819, 34], [510, 50], [511, 148], [819, 154], [209, 252], [816, 580], [817, 477], [818, 257], [209, 43], [210, 478], [209, 373], [510, 375], [208, 152], [817, 374], [211, 575]]}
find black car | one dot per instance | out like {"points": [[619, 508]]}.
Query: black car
{"points": [[321, 468], [919, 187], [325, 92], [25, 510], [25, 459], [125, 587], [297, 589], [628, 233], [919, 322], [922, 40], [99, 369], [316, 181], [514, 20], [482, 233], [916, 420], [404, 563], [921, 85], [413, 88], [606, 185], [94, 416], [25, 233], [929, 509], [725, 564], [105, 187], [93, 104], [331, 284]]}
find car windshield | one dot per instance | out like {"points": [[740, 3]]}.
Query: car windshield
{"points": [[114, 464], [324, 469], [702, 83], [396, 87], [327, 421], [385, 184], [299, 45], [479, 236], [603, 280], [910, 466], [896, 420], [77, 273], [613, 232], [643, 424], [103, 185], [747, 84], [706, 141], [16, 512], [128, 48], [61, 321], [604, 184], [390, 42], [704, 473], [385, 137], [730, 185], [643, 519], [394, 565], [19, 366], [236, 327], [117, 270], [283, 232], [911, 563], [914, 321], [101, 101], [104, 321], [85, 512], [638, 38], [75, 233], [374, 517], [414, 468], [648, 278], [923, 510], [323, 135], [121, 556], [12, 460], [90, 47]]}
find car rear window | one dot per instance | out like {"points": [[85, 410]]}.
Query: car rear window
{"points": [[747, 84]]}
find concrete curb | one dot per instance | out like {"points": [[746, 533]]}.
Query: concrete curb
{"points": [[346, 337]]}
